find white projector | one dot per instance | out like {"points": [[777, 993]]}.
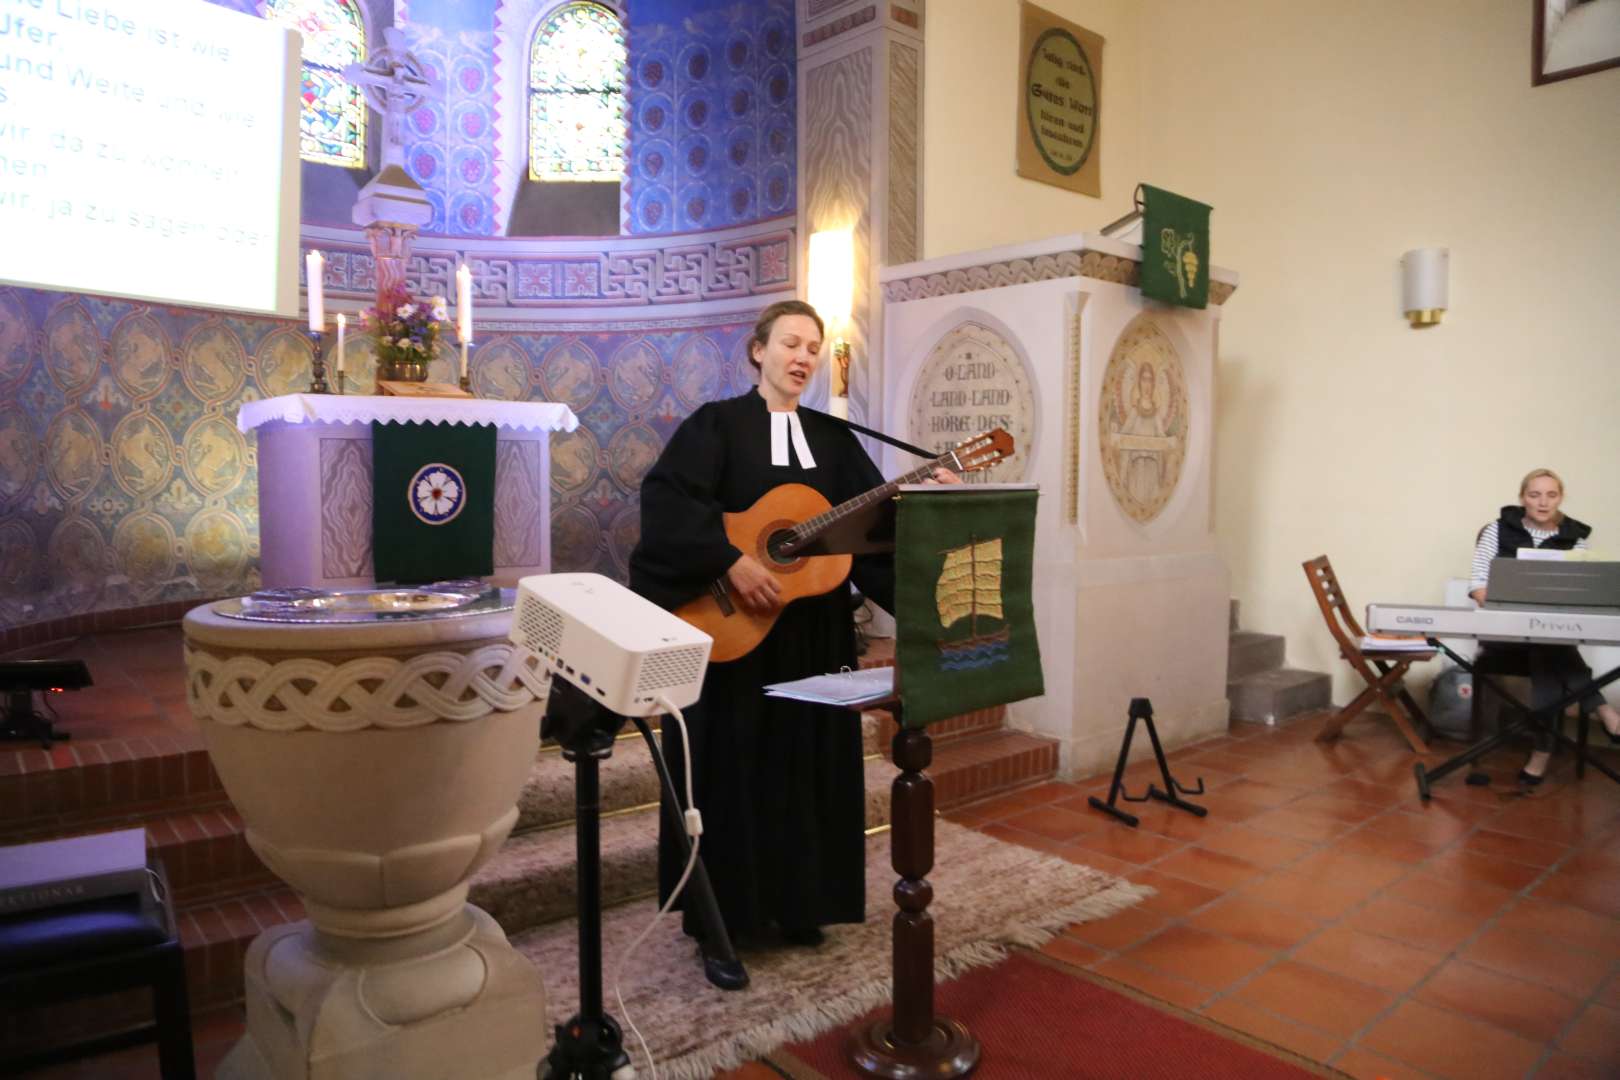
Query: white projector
{"points": [[623, 650]]}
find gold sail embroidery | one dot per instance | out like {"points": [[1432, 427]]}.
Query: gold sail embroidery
{"points": [[970, 583]]}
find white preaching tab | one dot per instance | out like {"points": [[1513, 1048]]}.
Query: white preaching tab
{"points": [[785, 426]]}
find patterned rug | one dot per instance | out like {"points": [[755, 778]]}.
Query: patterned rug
{"points": [[988, 895]]}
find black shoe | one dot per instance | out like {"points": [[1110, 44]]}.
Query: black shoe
{"points": [[725, 974], [1529, 779], [803, 935]]}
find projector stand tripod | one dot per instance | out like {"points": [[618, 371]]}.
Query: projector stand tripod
{"points": [[591, 1044]]}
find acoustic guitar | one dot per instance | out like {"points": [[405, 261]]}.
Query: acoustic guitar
{"points": [[790, 518]]}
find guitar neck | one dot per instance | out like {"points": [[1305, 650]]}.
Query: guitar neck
{"points": [[807, 532]]}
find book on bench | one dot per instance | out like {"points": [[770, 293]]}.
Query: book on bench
{"points": [[52, 873]]}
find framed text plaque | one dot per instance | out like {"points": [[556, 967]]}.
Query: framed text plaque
{"points": [[1059, 83]]}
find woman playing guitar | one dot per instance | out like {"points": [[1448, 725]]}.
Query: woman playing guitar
{"points": [[780, 782]]}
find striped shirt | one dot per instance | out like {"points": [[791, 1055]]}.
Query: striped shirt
{"points": [[1485, 550]]}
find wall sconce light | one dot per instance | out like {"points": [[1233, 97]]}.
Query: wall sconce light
{"points": [[832, 294], [1423, 285]]}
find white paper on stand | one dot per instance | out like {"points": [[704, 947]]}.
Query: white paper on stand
{"points": [[839, 688]]}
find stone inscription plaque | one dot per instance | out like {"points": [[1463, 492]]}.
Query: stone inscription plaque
{"points": [[974, 381]]}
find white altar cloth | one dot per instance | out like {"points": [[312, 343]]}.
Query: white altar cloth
{"points": [[315, 494], [366, 408]]}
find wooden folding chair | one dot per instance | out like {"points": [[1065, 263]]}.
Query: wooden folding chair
{"points": [[1382, 670]]}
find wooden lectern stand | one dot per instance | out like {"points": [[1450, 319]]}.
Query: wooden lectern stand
{"points": [[916, 1042]]}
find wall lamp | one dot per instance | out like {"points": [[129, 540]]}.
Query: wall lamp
{"points": [[1423, 285], [832, 294]]}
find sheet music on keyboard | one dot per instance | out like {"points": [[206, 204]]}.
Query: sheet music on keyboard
{"points": [[1394, 643]]}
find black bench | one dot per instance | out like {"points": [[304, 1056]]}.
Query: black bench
{"points": [[94, 948]]}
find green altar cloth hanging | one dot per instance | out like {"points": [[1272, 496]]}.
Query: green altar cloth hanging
{"points": [[965, 620], [1175, 248], [433, 501]]}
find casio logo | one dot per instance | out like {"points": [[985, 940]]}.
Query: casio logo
{"points": [[1415, 620]]}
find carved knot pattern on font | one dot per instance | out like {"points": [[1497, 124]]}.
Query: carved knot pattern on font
{"points": [[374, 691]]}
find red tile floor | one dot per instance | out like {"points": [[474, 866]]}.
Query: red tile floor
{"points": [[1321, 906]]}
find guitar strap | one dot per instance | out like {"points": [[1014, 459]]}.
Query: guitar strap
{"points": [[878, 435]]}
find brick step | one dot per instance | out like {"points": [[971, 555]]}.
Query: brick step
{"points": [[206, 854], [977, 722], [1270, 697], [975, 766], [76, 787], [1248, 652]]}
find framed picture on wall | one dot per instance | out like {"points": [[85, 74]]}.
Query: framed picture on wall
{"points": [[1573, 37]]}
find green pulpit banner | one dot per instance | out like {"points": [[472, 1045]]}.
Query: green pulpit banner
{"points": [[965, 636], [433, 501], [1175, 248]]}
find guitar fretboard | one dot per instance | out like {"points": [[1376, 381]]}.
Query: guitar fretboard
{"points": [[806, 532]]}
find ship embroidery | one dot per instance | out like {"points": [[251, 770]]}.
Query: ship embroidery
{"points": [[970, 588]]}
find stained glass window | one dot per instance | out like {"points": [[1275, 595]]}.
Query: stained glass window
{"points": [[332, 123], [576, 95]]}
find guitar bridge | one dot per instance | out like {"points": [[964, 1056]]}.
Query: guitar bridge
{"points": [[722, 597]]}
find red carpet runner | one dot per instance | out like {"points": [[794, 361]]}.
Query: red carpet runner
{"points": [[1038, 1022]]}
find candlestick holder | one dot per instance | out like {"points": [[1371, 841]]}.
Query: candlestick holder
{"points": [[466, 376], [343, 382], [317, 382]]}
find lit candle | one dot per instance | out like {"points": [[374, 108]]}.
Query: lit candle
{"points": [[343, 322], [315, 270], [464, 305]]}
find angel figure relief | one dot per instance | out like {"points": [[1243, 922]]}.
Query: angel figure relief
{"points": [[1144, 423]]}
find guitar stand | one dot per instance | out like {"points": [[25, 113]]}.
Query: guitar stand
{"points": [[1527, 719], [1142, 709]]}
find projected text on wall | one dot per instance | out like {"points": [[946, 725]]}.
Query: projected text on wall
{"points": [[141, 150]]}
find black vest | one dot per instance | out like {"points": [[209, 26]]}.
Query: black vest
{"points": [[1511, 535]]}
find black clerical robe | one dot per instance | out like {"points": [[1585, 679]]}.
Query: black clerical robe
{"points": [[780, 783]]}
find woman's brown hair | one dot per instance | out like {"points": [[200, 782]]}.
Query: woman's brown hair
{"points": [[768, 317]]}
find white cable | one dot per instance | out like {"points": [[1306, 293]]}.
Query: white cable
{"points": [[694, 829]]}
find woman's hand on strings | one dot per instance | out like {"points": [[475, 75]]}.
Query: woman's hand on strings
{"points": [[754, 586], [942, 475]]}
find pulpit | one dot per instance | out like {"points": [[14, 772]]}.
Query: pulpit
{"points": [[315, 481], [1110, 397]]}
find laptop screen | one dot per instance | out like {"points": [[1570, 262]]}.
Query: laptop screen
{"points": [[1542, 583]]}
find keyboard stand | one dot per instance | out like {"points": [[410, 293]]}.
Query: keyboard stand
{"points": [[1526, 719]]}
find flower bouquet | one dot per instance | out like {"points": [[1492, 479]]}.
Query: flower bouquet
{"points": [[406, 332]]}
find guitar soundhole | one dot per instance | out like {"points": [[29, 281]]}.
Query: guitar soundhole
{"points": [[774, 544]]}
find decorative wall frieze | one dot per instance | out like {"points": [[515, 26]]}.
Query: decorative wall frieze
{"points": [[373, 691], [840, 25], [621, 272], [996, 275]]}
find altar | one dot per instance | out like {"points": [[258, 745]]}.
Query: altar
{"points": [[315, 481]]}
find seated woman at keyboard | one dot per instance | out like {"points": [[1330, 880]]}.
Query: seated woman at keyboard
{"points": [[1536, 522]]}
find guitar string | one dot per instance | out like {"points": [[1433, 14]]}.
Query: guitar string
{"points": [[806, 531]]}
